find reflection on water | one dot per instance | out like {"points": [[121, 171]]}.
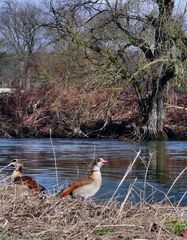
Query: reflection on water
{"points": [[73, 157]]}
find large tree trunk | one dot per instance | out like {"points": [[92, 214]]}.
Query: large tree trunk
{"points": [[25, 74], [154, 118], [153, 108]]}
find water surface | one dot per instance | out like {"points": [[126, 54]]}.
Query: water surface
{"points": [[74, 159]]}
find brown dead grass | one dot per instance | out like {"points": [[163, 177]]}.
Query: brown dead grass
{"points": [[83, 112], [29, 215]]}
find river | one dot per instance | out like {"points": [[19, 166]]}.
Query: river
{"points": [[74, 157]]}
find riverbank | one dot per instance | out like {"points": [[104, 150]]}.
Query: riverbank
{"points": [[81, 113], [27, 215]]}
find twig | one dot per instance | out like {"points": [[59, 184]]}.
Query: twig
{"points": [[176, 180], [5, 167], [162, 227], [127, 172], [4, 179], [145, 178], [120, 225], [126, 197], [166, 197], [181, 199], [177, 107], [54, 154]]}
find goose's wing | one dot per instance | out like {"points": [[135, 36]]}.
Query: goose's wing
{"points": [[30, 182], [78, 183]]}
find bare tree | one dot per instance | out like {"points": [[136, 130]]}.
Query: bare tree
{"points": [[21, 33], [119, 31]]}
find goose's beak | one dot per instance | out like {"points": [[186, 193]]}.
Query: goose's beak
{"points": [[103, 160], [11, 164]]}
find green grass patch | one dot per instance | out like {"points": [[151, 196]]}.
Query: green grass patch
{"points": [[177, 226]]}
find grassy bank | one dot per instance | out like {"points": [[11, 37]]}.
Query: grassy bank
{"points": [[28, 215]]}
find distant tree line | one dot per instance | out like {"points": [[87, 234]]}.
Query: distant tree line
{"points": [[112, 44]]}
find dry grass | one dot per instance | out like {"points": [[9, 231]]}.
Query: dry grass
{"points": [[28, 215]]}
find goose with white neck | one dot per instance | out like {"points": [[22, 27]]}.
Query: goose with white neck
{"points": [[87, 186]]}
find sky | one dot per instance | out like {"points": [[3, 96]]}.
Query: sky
{"points": [[179, 4]]}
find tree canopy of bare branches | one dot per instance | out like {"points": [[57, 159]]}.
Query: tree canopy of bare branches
{"points": [[118, 30]]}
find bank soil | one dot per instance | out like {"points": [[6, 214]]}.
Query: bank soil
{"points": [[28, 215]]}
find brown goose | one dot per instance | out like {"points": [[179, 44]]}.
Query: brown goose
{"points": [[18, 178], [87, 186]]}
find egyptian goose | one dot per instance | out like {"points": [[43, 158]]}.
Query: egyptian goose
{"points": [[87, 186], [18, 178]]}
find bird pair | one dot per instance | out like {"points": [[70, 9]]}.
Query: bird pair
{"points": [[84, 187]]}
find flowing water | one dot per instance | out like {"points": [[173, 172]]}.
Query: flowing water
{"points": [[74, 157]]}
